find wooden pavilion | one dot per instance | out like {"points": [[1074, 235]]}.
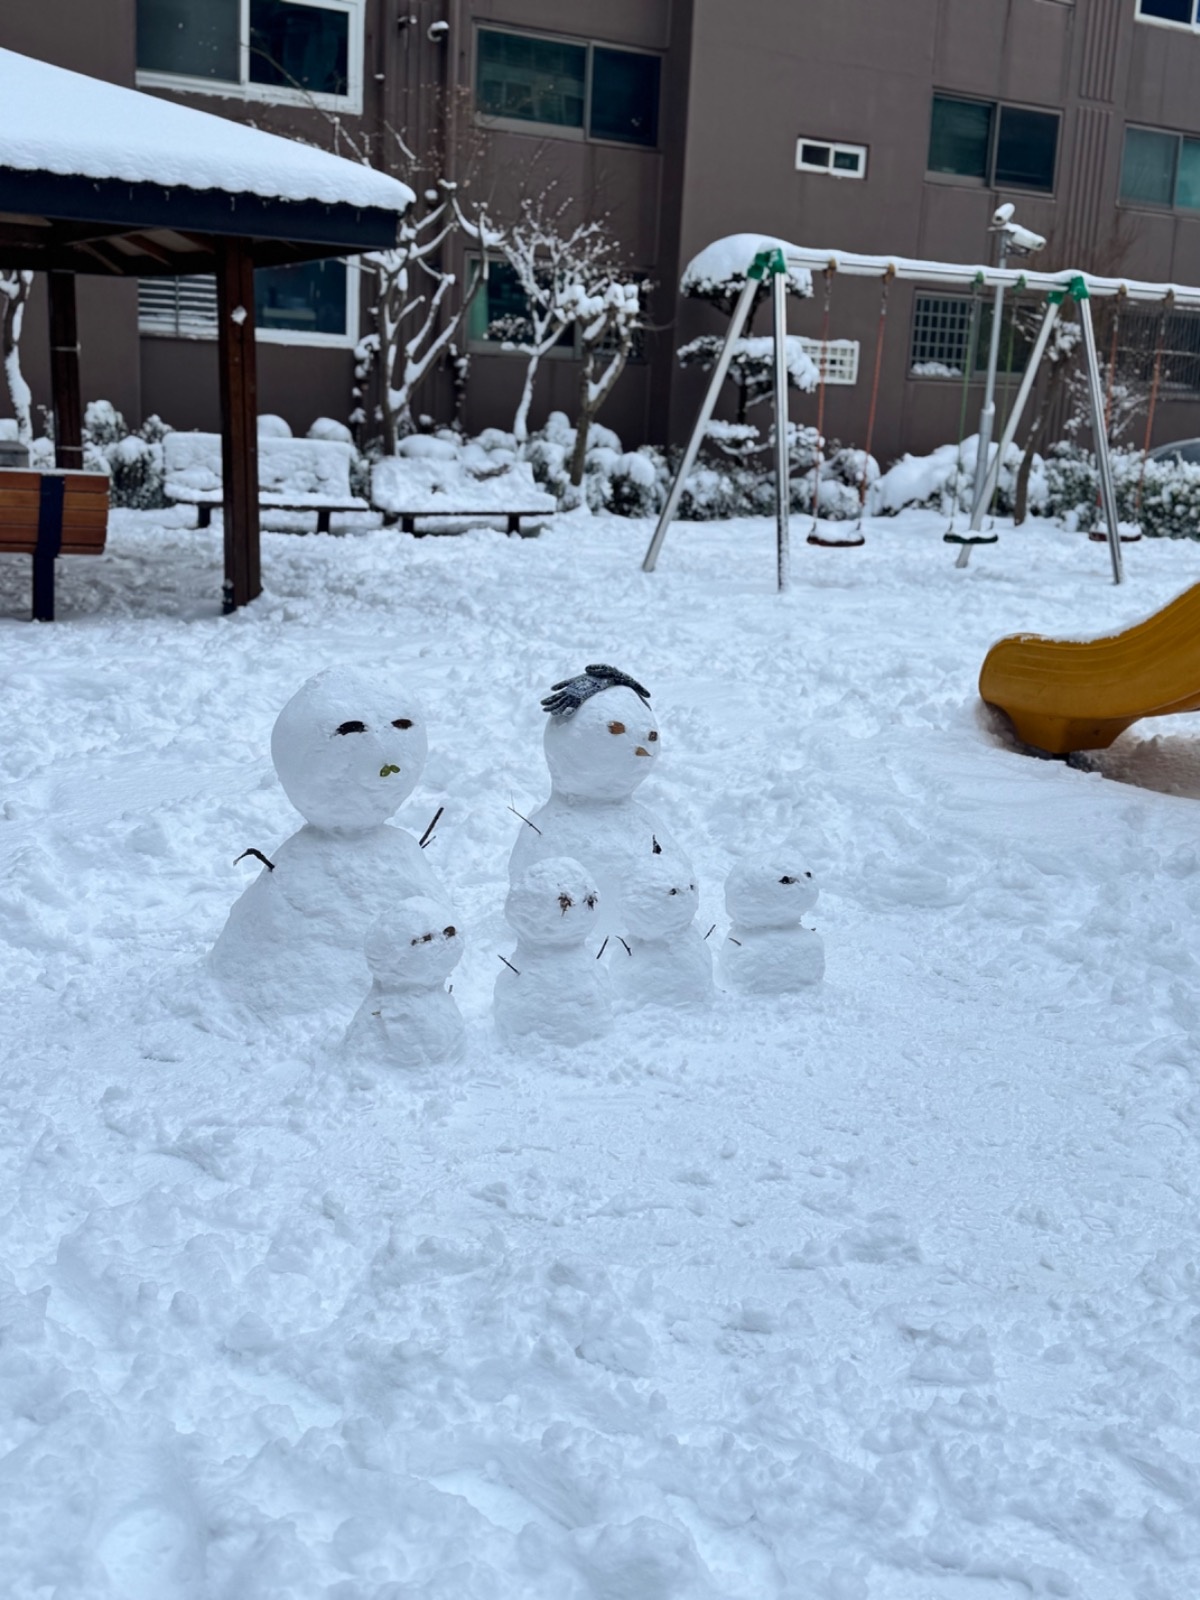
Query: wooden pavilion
{"points": [[101, 179]]}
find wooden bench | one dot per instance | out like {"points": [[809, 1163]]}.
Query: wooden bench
{"points": [[50, 514], [293, 475]]}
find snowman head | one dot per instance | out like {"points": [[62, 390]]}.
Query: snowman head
{"points": [[348, 749], [415, 945], [553, 903], [771, 890], [605, 749], [661, 899]]}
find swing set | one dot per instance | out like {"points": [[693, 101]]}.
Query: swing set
{"points": [[1081, 288]]}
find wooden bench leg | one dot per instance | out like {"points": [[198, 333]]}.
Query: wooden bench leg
{"points": [[203, 516], [49, 543], [323, 516], [408, 524], [514, 523]]}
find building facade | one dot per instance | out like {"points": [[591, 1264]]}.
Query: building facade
{"points": [[851, 124]]}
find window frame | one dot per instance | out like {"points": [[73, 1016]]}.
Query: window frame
{"points": [[1160, 208], [1165, 22], [834, 145], [989, 181], [285, 336], [558, 130], [275, 94]]}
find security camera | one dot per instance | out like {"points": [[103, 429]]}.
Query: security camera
{"points": [[1003, 214], [437, 31], [1020, 238]]}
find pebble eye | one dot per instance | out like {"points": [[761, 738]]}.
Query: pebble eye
{"points": [[352, 727], [400, 722], [808, 874], [590, 902], [448, 933], [652, 736], [616, 727], [672, 891], [789, 880], [565, 902]]}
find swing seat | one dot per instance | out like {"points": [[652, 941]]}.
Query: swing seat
{"points": [[1098, 536], [1065, 695], [970, 538], [851, 542]]}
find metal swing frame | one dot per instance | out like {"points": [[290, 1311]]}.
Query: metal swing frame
{"points": [[775, 263]]}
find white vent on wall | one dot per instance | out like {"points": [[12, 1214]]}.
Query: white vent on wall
{"points": [[836, 160], [841, 358], [183, 307]]}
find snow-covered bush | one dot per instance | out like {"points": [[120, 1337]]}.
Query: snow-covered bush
{"points": [[1163, 499], [133, 458], [945, 480]]}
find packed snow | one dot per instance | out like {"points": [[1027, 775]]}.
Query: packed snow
{"points": [[884, 1289], [71, 124]]}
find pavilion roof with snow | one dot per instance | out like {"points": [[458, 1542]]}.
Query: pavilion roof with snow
{"points": [[105, 180]]}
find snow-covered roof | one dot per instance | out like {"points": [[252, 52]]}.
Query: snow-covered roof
{"points": [[72, 125]]}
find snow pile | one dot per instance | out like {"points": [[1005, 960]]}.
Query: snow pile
{"points": [[885, 1290], [67, 123], [945, 479], [727, 261]]}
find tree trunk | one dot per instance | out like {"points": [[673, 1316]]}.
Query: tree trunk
{"points": [[521, 420], [583, 424]]}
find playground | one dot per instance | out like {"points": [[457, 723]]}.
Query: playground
{"points": [[887, 1291]]}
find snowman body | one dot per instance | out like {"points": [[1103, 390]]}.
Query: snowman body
{"points": [[768, 950], [598, 756], [552, 988], [662, 960], [348, 751], [408, 1019]]}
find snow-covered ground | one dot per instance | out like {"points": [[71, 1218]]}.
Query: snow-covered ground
{"points": [[891, 1290]]}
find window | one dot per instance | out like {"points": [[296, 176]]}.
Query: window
{"points": [[558, 83], [1181, 12], [294, 51], [1140, 329], [1161, 169], [312, 303], [498, 316], [840, 355], [838, 160], [942, 337], [1005, 147]]}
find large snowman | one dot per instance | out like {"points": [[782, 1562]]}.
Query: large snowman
{"points": [[601, 744], [348, 751]]}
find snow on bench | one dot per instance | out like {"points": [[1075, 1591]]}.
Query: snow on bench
{"points": [[436, 478], [293, 475]]}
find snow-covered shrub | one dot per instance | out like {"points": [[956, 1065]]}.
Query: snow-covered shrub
{"points": [[273, 427], [133, 459], [1163, 499], [945, 480], [639, 483], [328, 428], [549, 452]]}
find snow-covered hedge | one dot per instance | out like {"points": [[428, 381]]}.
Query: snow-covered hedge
{"points": [[1163, 499], [945, 478], [133, 458]]}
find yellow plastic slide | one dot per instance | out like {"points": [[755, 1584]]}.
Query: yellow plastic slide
{"points": [[1063, 695]]}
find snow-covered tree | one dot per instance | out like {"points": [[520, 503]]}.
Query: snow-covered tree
{"points": [[559, 269], [717, 276], [609, 316], [14, 295]]}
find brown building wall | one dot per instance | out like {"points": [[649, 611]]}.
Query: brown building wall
{"points": [[739, 85]]}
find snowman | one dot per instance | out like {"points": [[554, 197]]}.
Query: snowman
{"points": [[409, 1019], [768, 951], [601, 743], [348, 751], [552, 987], [662, 960]]}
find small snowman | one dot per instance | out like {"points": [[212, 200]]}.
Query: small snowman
{"points": [[348, 751], [552, 987], [768, 951], [409, 1019], [601, 743], [662, 960]]}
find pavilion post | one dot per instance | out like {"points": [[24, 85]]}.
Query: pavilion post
{"points": [[239, 421], [65, 392]]}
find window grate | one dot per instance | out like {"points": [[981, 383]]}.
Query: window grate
{"points": [[1137, 345], [841, 358], [941, 335]]}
